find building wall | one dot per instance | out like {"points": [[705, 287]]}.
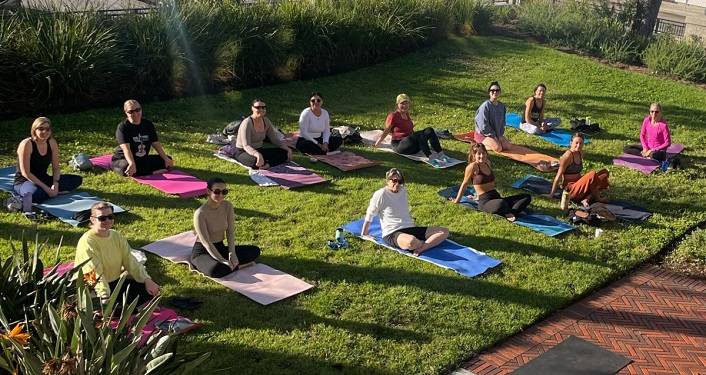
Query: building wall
{"points": [[688, 12]]}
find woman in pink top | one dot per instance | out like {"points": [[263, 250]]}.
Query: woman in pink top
{"points": [[654, 136], [407, 141]]}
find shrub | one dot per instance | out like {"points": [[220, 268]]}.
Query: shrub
{"points": [[685, 59]]}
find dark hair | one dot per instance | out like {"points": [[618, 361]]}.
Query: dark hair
{"points": [[475, 147], [255, 101], [538, 86], [212, 181], [494, 83], [316, 93], [577, 135]]}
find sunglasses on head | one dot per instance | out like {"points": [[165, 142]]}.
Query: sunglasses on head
{"points": [[220, 191], [103, 218], [134, 110], [260, 106], [317, 100]]}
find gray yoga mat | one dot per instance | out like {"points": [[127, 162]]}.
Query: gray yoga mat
{"points": [[575, 356]]}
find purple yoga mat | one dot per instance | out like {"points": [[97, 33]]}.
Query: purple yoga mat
{"points": [[290, 175], [645, 165], [173, 182]]}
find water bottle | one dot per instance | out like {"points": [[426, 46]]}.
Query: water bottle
{"points": [[339, 234], [564, 201]]}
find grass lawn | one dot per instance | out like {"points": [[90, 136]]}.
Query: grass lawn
{"points": [[373, 311]]}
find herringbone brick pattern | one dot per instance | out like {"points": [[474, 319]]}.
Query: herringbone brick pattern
{"points": [[654, 317]]}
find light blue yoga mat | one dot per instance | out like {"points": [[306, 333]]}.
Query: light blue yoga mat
{"points": [[63, 207], [449, 254], [541, 223], [560, 137]]}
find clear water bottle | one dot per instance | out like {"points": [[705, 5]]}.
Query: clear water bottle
{"points": [[564, 201], [339, 234]]}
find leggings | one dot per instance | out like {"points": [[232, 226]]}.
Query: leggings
{"points": [[272, 156], [418, 141], [204, 262], [134, 290], [308, 147], [30, 193], [491, 202], [144, 166], [636, 149]]}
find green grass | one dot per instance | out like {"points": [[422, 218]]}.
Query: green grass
{"points": [[690, 255], [373, 311]]}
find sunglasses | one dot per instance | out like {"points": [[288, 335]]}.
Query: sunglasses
{"points": [[135, 110], [260, 106], [315, 100], [494, 90], [651, 111], [220, 191], [395, 180], [103, 218]]}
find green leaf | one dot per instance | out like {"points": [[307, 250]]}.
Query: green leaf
{"points": [[154, 364]]}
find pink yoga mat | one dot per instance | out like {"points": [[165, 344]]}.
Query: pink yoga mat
{"points": [[261, 283], [173, 182], [346, 161], [646, 165], [291, 175]]}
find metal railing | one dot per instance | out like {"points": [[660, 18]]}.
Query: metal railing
{"points": [[663, 26]]}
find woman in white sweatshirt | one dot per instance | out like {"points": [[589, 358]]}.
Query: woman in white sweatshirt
{"points": [[315, 129]]}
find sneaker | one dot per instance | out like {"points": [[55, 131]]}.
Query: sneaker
{"points": [[664, 166], [13, 204]]}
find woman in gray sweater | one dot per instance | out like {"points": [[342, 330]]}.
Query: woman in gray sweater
{"points": [[252, 133]]}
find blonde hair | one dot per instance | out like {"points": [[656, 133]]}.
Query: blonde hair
{"points": [[98, 206], [39, 121], [130, 103]]}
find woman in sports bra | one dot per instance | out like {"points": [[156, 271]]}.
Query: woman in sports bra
{"points": [[34, 155], [478, 173], [584, 189], [533, 121]]}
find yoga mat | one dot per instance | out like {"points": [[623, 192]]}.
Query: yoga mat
{"points": [[173, 182], [257, 178], [622, 210], [518, 153], [68, 207], [290, 175], [7, 179], [371, 136], [261, 283], [574, 356], [345, 161], [646, 165], [537, 222], [449, 254], [559, 137]]}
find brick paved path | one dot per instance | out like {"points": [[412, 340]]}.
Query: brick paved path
{"points": [[655, 317]]}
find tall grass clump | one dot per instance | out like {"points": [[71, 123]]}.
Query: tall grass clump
{"points": [[472, 16], [684, 59]]}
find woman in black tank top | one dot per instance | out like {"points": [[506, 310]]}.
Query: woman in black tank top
{"points": [[34, 156], [533, 120]]}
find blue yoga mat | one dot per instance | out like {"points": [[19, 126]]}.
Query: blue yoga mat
{"points": [[622, 210], [63, 207], [449, 254], [541, 223], [560, 137]]}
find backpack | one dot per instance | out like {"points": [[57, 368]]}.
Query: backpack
{"points": [[349, 134], [81, 162], [232, 127]]}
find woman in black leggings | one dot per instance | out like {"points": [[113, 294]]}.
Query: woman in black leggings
{"points": [[407, 141], [479, 173], [213, 221]]}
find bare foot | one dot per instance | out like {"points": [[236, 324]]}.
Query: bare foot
{"points": [[244, 265], [510, 217], [159, 171]]}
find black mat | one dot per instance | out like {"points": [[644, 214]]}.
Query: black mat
{"points": [[574, 356]]}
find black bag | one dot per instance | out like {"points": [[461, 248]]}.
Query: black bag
{"points": [[232, 128]]}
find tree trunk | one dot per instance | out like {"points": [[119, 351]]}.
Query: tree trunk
{"points": [[650, 17]]}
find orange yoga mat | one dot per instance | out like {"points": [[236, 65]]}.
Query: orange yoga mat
{"points": [[541, 162]]}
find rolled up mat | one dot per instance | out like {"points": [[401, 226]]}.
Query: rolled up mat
{"points": [[622, 210], [646, 165], [261, 283], [345, 160], [545, 224], [173, 182], [371, 136], [449, 254]]}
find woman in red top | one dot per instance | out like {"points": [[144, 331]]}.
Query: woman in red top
{"points": [[407, 141]]}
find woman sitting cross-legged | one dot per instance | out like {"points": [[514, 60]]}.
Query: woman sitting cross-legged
{"points": [[214, 221], [252, 133], [398, 230], [533, 121], [655, 137], [479, 173], [584, 189], [108, 254], [407, 141], [34, 155], [315, 129]]}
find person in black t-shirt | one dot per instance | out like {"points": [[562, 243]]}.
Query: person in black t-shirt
{"points": [[135, 137]]}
